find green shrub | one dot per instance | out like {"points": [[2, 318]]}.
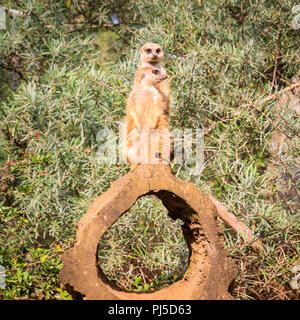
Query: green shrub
{"points": [[65, 72]]}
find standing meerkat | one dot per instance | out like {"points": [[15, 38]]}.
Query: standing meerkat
{"points": [[146, 117], [151, 55]]}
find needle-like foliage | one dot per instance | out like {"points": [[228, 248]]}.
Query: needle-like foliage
{"points": [[66, 68]]}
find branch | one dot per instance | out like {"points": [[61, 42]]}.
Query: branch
{"points": [[287, 89], [231, 220], [12, 70]]}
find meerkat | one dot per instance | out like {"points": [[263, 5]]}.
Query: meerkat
{"points": [[146, 116], [151, 55]]}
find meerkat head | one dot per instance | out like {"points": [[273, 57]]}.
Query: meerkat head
{"points": [[151, 76], [151, 52]]}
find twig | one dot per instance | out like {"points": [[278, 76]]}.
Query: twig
{"points": [[276, 95], [277, 56], [213, 126], [274, 81], [231, 220]]}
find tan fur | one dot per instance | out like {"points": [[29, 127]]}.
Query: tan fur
{"points": [[154, 59], [146, 110]]}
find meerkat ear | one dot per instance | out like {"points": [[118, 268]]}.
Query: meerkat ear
{"points": [[142, 48], [143, 75]]}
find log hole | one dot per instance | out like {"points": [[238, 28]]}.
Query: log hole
{"points": [[144, 250]]}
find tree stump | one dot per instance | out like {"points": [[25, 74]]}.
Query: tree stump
{"points": [[210, 273]]}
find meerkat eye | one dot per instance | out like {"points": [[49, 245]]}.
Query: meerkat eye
{"points": [[158, 50], [155, 71], [148, 51]]}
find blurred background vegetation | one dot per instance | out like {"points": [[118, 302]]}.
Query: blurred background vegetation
{"points": [[66, 68]]}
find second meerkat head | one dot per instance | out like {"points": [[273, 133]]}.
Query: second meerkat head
{"points": [[150, 76], [151, 52]]}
